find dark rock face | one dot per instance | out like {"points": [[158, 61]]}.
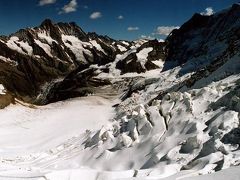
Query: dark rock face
{"points": [[50, 59], [30, 71], [202, 46], [158, 51], [74, 85], [131, 63], [178, 48], [5, 100], [132, 66], [106, 43], [204, 38], [233, 137]]}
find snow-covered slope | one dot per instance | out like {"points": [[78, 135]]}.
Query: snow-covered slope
{"points": [[152, 112], [148, 137]]}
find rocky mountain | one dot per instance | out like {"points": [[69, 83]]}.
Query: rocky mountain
{"points": [[34, 59], [43, 64], [204, 39]]}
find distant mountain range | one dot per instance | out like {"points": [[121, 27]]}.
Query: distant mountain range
{"points": [[34, 57], [55, 61]]}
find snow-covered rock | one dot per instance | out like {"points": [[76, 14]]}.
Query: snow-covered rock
{"points": [[2, 89]]}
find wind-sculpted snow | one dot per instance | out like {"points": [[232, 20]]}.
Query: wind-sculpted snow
{"points": [[142, 117], [158, 137]]}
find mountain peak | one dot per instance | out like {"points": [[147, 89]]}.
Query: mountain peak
{"points": [[47, 23], [236, 4]]}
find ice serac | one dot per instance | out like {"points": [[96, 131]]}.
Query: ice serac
{"points": [[189, 116], [186, 118]]}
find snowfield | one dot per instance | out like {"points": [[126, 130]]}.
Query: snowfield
{"points": [[17, 45], [33, 136], [26, 130], [184, 135]]}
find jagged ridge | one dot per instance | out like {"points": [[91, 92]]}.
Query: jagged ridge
{"points": [[33, 59]]}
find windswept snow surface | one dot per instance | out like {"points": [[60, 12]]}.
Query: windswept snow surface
{"points": [[36, 138], [20, 46], [27, 129], [44, 46], [185, 133], [43, 35], [97, 46], [143, 54], [77, 47], [121, 48]]}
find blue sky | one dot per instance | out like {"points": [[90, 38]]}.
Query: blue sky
{"points": [[119, 19]]}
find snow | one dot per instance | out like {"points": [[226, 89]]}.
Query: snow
{"points": [[44, 46], [26, 47], [26, 130], [159, 63], [43, 35], [8, 60], [77, 47], [121, 48], [17, 45], [11, 44], [164, 130], [2, 89], [139, 42], [89, 174], [125, 43], [230, 174], [97, 46], [113, 71], [143, 55], [147, 140], [29, 147], [194, 129]]}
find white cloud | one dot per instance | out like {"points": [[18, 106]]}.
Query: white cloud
{"points": [[161, 40], [45, 2], [133, 28], [120, 17], [70, 7], [165, 30], [208, 11], [85, 7], [95, 15]]}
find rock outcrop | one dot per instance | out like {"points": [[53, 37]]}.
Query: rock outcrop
{"points": [[34, 61]]}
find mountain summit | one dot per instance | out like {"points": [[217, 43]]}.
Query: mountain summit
{"points": [[34, 58]]}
